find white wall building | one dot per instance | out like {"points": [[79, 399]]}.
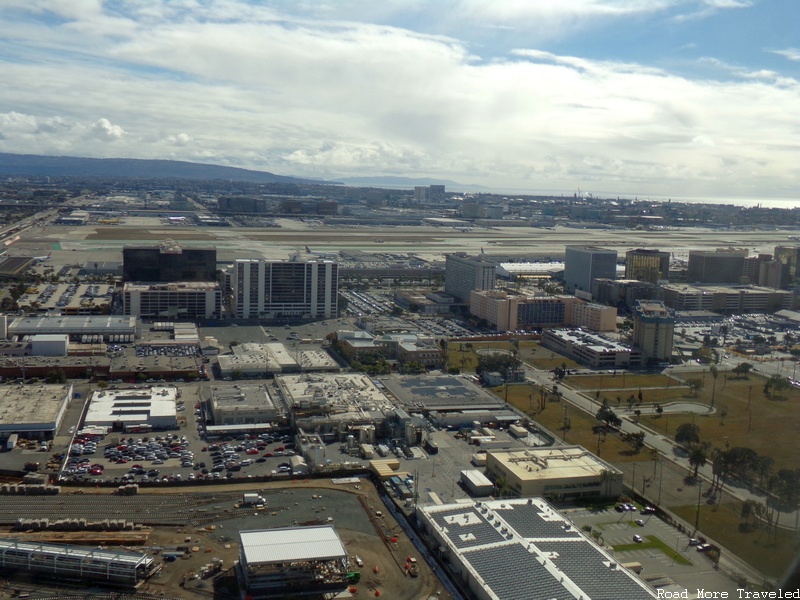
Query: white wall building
{"points": [[273, 289], [128, 408], [49, 345]]}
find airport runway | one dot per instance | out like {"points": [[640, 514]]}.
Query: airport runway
{"points": [[80, 244]]}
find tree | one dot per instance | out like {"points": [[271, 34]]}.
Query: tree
{"points": [[705, 355], [742, 370], [56, 376], [763, 467], [636, 440], [607, 416], [714, 373], [775, 385], [723, 412], [695, 385], [698, 456], [747, 510], [687, 434]]}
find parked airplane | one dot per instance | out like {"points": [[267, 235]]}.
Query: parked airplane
{"points": [[43, 258], [322, 254]]}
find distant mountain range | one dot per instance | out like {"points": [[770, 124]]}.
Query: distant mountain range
{"points": [[32, 165]]}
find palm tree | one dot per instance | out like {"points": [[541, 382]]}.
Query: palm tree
{"points": [[698, 457], [714, 373]]}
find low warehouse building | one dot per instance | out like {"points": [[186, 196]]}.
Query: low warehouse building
{"points": [[131, 409], [303, 560], [243, 404], [518, 549], [477, 483], [49, 345], [33, 411], [79, 328]]}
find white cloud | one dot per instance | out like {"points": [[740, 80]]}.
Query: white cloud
{"points": [[180, 140], [246, 86], [104, 131], [709, 8], [792, 54]]}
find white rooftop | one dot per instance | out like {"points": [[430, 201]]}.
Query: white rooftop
{"points": [[291, 544]]}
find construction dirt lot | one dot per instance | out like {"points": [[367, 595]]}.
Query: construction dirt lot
{"points": [[211, 532]]}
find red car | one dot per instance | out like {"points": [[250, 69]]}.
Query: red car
{"points": [[251, 451], [280, 449], [268, 454]]}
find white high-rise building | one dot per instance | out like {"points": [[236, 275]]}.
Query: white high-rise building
{"points": [[272, 289]]}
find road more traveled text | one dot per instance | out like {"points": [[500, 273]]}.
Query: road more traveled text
{"points": [[740, 593]]}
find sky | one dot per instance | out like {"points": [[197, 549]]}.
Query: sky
{"points": [[694, 98]]}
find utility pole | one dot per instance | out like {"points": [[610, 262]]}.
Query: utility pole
{"points": [[697, 516]]}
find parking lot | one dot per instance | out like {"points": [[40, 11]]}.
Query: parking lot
{"points": [[174, 456], [692, 570]]}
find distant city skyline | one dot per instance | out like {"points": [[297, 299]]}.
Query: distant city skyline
{"points": [[669, 98]]}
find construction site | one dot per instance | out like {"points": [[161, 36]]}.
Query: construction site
{"points": [[188, 544]]}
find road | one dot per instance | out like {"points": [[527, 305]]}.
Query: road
{"points": [[669, 450]]}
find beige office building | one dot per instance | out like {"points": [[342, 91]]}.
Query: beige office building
{"points": [[568, 472]]}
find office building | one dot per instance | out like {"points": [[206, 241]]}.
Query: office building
{"points": [[752, 268], [653, 329], [647, 265], [509, 312], [271, 289], [242, 205], [788, 257], [565, 473], [168, 262], [624, 292], [718, 266], [183, 300], [729, 299], [463, 273], [590, 349], [583, 264]]}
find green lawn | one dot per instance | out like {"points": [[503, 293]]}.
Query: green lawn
{"points": [[656, 544]]}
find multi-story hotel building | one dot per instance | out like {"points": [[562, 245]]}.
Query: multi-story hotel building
{"points": [[272, 289], [463, 273], [653, 329]]}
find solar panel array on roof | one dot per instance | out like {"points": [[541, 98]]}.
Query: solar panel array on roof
{"points": [[513, 573], [528, 522], [586, 566], [523, 549], [467, 528]]}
